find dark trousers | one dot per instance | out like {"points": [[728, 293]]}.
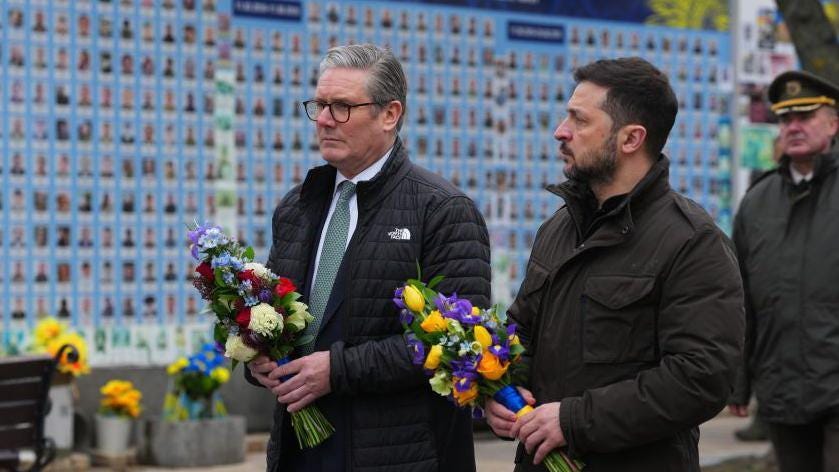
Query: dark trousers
{"points": [[809, 447]]}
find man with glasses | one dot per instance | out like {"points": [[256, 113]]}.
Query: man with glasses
{"points": [[787, 238], [351, 233]]}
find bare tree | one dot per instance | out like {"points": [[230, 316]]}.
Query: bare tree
{"points": [[814, 37]]}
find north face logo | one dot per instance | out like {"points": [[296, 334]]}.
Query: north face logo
{"points": [[402, 234]]}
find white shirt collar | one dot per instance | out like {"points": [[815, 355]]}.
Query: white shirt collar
{"points": [[797, 177], [366, 174]]}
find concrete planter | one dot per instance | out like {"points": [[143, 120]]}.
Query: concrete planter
{"points": [[113, 434], [193, 443]]}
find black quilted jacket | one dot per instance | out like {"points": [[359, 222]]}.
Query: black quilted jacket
{"points": [[394, 421]]}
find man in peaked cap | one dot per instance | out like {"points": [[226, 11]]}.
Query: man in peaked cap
{"points": [[787, 238]]}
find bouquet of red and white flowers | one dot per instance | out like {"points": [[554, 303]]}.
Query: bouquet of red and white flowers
{"points": [[257, 312], [467, 351]]}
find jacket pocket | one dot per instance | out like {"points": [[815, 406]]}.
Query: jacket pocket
{"points": [[534, 284], [618, 319]]}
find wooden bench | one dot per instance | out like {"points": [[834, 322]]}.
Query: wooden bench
{"points": [[24, 402]]}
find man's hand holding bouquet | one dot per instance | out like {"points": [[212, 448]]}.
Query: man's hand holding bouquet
{"points": [[257, 313], [468, 352]]}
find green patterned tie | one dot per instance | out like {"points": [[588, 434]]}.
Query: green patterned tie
{"points": [[334, 244]]}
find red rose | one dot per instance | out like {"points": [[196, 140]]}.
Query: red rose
{"points": [[205, 270], [284, 287], [248, 275], [243, 318]]}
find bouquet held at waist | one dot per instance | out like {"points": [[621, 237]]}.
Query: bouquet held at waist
{"points": [[468, 352], [257, 312]]}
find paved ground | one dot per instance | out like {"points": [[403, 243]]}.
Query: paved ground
{"points": [[716, 444]]}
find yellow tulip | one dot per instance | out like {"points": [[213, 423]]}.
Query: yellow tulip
{"points": [[483, 337], [413, 298], [433, 358], [490, 367], [514, 339], [467, 396], [434, 322]]}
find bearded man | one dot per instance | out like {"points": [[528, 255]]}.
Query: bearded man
{"points": [[631, 309]]}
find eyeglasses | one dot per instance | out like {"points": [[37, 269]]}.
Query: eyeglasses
{"points": [[340, 111]]}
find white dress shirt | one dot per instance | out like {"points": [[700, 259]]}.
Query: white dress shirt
{"points": [[365, 175], [797, 177]]}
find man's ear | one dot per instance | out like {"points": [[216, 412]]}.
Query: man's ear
{"points": [[631, 138], [391, 114]]}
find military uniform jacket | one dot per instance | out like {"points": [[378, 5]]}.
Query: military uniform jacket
{"points": [[636, 328], [787, 239]]}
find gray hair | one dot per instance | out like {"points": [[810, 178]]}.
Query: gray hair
{"points": [[387, 79]]}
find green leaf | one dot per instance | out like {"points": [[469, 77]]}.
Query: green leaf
{"points": [[220, 333], [249, 254], [290, 297], [435, 281], [305, 339], [419, 271]]}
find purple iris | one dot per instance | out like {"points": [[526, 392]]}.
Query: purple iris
{"points": [[502, 352], [405, 316], [464, 383], [397, 297], [511, 329], [455, 308], [465, 367], [417, 349]]}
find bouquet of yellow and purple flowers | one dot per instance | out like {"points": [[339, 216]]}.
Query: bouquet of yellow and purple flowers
{"points": [[257, 312], [467, 351]]}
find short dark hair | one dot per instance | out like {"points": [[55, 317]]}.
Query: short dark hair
{"points": [[637, 93]]}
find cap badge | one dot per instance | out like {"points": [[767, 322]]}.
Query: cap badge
{"points": [[793, 87]]}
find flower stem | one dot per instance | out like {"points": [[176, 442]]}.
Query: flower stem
{"points": [[310, 426]]}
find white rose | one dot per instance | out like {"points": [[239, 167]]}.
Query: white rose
{"points": [[265, 320], [259, 270], [235, 348]]}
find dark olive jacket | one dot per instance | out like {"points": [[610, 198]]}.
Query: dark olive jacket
{"points": [[787, 239], [388, 418], [636, 328]]}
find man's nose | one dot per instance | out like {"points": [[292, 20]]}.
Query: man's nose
{"points": [[562, 133], [325, 117]]}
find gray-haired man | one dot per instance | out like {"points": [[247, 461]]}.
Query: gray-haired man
{"points": [[350, 234]]}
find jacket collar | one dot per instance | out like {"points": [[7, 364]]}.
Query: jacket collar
{"points": [[320, 180], [823, 165], [651, 187]]}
